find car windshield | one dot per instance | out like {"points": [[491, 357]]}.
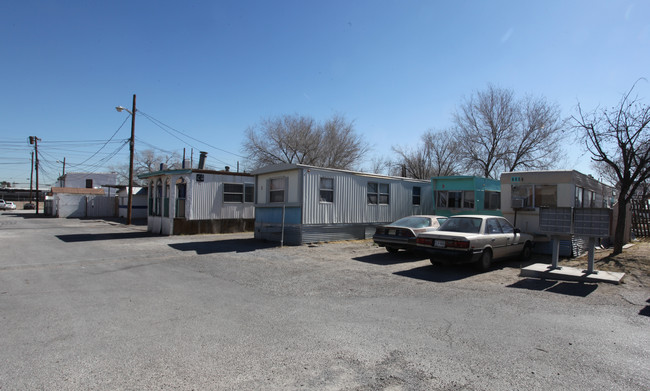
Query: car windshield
{"points": [[462, 224], [412, 222]]}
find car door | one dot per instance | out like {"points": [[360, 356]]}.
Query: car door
{"points": [[496, 238], [514, 243]]}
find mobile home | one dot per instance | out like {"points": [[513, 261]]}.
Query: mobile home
{"points": [[192, 201], [298, 204], [455, 195], [524, 193]]}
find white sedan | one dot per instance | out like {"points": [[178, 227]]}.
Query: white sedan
{"points": [[475, 239], [8, 205]]}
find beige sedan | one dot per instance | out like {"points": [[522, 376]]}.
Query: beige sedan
{"points": [[475, 239]]}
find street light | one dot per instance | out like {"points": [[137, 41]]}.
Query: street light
{"points": [[120, 109], [131, 149]]}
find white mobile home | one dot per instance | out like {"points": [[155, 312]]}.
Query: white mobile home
{"points": [[524, 193], [299, 204], [191, 201]]}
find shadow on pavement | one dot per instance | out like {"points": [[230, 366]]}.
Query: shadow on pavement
{"points": [[387, 258], [438, 273], [94, 237], [111, 220], [645, 311], [224, 246], [579, 289]]}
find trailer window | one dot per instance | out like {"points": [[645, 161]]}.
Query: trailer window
{"points": [[326, 190], [233, 192], [276, 189]]}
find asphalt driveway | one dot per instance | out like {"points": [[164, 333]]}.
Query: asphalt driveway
{"points": [[90, 304]]}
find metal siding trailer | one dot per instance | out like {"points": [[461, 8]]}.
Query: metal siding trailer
{"points": [[348, 215]]}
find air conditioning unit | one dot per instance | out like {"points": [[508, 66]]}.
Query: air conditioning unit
{"points": [[517, 203]]}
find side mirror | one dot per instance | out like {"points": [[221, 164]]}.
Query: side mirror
{"points": [[517, 231]]}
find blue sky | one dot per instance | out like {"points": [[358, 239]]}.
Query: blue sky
{"points": [[212, 69]]}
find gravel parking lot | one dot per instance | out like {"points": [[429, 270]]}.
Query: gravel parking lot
{"points": [[91, 304]]}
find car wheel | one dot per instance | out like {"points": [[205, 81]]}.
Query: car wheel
{"points": [[527, 252], [392, 250], [486, 260]]}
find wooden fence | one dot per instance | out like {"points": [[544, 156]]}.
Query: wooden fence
{"points": [[640, 218]]}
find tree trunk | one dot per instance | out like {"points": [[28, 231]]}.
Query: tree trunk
{"points": [[619, 233]]}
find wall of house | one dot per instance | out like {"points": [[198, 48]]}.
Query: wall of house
{"points": [[350, 204], [138, 206], [78, 180], [205, 209], [565, 182], [293, 191], [208, 199], [308, 218], [477, 185]]}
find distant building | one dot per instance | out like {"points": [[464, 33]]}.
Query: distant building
{"points": [[139, 202], [89, 180], [76, 202]]}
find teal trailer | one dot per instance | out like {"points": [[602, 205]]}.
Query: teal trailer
{"points": [[457, 195]]}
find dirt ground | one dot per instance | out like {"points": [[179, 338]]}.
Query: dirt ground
{"points": [[634, 262]]}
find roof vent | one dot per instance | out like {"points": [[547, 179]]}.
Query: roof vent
{"points": [[202, 160]]}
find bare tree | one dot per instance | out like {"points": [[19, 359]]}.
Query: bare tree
{"points": [[287, 139], [443, 151], [340, 146], [299, 140], [145, 161], [538, 135], [486, 125], [620, 138], [436, 155], [380, 165], [413, 163], [498, 132]]}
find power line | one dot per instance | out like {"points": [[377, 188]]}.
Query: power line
{"points": [[118, 129], [162, 124]]}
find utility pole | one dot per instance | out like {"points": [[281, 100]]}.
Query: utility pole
{"points": [[31, 176], [132, 150], [34, 140], [62, 178]]}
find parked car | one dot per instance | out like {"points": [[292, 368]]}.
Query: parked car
{"points": [[9, 206], [401, 234], [29, 205], [475, 239]]}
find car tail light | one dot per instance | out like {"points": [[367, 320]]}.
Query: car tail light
{"points": [[406, 233], [457, 243], [425, 241], [379, 231]]}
